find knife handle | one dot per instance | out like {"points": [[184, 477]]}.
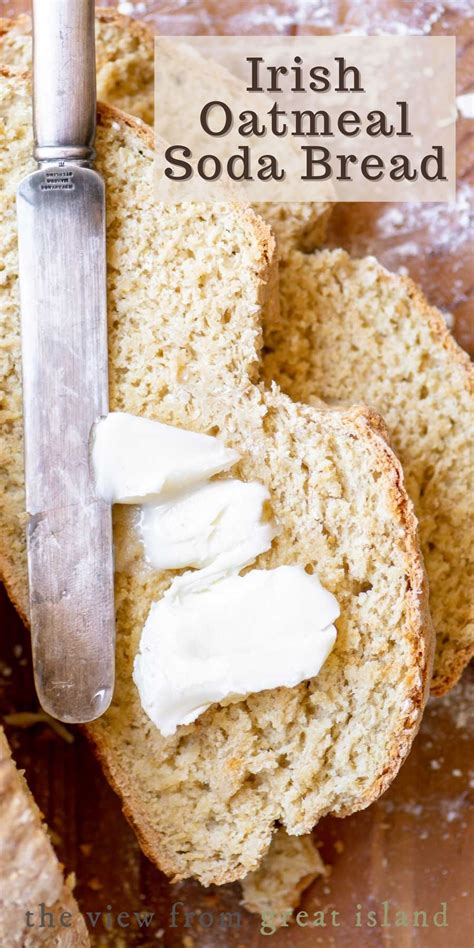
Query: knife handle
{"points": [[64, 84]]}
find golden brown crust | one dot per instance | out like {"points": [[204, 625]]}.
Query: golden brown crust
{"points": [[446, 679]]}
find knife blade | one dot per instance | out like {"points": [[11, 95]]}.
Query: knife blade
{"points": [[61, 238]]}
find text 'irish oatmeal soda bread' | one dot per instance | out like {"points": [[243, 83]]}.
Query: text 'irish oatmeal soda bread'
{"points": [[185, 290], [125, 79], [350, 331]]}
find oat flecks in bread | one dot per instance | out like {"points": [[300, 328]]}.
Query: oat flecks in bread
{"points": [[29, 870], [350, 331], [291, 864], [125, 79], [185, 288]]}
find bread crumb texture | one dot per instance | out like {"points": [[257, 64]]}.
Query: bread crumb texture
{"points": [[186, 285], [349, 331], [30, 873], [291, 864]]}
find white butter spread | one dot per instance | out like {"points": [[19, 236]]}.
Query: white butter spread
{"points": [[221, 524], [234, 637], [215, 636], [135, 459]]}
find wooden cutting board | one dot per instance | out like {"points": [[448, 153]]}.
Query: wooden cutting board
{"points": [[412, 848]]}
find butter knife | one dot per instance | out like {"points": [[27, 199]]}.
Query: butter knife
{"points": [[61, 232]]}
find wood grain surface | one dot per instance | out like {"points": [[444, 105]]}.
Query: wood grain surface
{"points": [[413, 848]]}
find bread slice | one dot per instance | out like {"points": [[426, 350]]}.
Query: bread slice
{"points": [[30, 873], [185, 290], [125, 79], [350, 331], [274, 889]]}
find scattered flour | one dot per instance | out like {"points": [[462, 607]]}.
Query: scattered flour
{"points": [[442, 226], [282, 17], [358, 17]]}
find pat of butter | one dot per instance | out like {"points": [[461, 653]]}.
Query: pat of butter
{"points": [[135, 459], [230, 638], [222, 524]]}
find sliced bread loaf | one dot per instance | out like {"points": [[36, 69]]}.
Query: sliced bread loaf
{"points": [[349, 331], [185, 290], [30, 873], [125, 79]]}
